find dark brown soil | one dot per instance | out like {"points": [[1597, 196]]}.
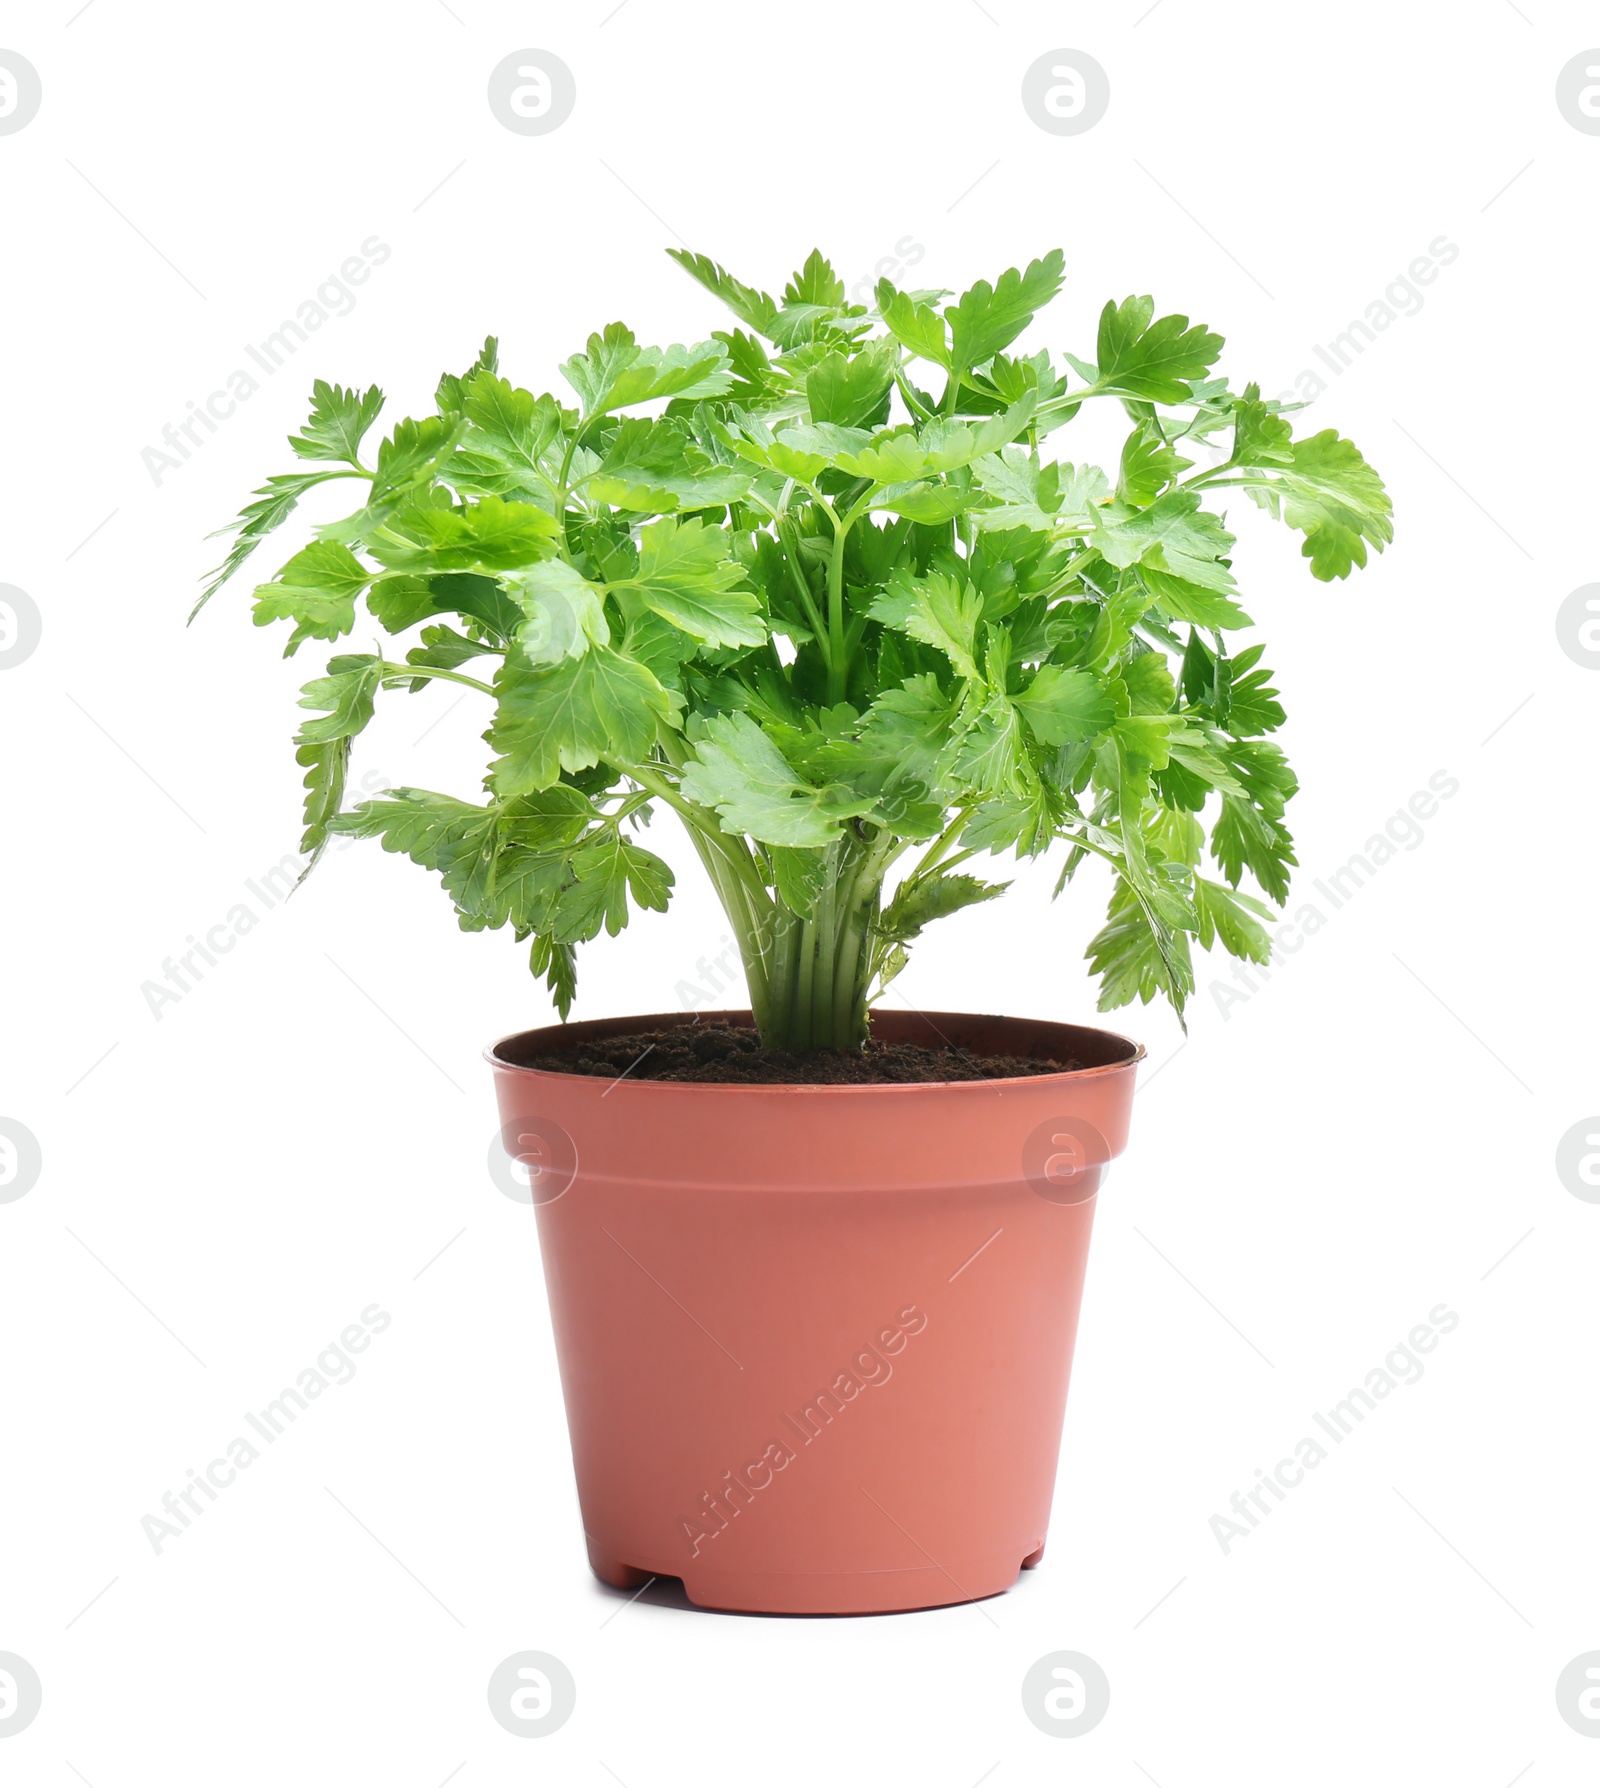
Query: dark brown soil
{"points": [[723, 1054]]}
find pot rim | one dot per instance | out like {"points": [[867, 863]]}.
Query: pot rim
{"points": [[1136, 1053]]}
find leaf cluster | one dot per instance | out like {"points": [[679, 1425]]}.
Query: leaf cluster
{"points": [[822, 585]]}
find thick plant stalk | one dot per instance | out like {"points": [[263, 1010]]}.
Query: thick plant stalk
{"points": [[807, 973]]}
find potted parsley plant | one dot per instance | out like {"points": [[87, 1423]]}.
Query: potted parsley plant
{"points": [[820, 588]]}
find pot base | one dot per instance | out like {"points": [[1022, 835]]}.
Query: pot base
{"points": [[831, 1592]]}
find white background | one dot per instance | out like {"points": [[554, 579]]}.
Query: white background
{"points": [[1364, 1137]]}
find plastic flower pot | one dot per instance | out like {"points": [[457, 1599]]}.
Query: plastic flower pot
{"points": [[815, 1340]]}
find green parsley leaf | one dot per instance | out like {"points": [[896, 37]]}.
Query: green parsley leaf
{"points": [[489, 535], [939, 610], [317, 589], [751, 307], [326, 763], [1152, 360], [274, 503], [616, 372], [1233, 918], [338, 420], [347, 693], [738, 771], [917, 326], [922, 899], [1330, 493], [565, 613], [853, 390], [1064, 706], [608, 872], [568, 716], [988, 318], [685, 576]]}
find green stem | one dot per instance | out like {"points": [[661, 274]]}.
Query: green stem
{"points": [[1213, 480], [760, 924], [920, 411], [791, 554], [837, 667], [1073, 567], [825, 923], [849, 995], [779, 961], [851, 968], [1063, 408], [631, 805], [952, 390], [935, 851], [562, 490], [960, 857], [751, 925], [799, 1028], [398, 673], [807, 977], [572, 448]]}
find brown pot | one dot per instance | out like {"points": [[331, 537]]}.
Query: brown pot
{"points": [[815, 1340]]}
